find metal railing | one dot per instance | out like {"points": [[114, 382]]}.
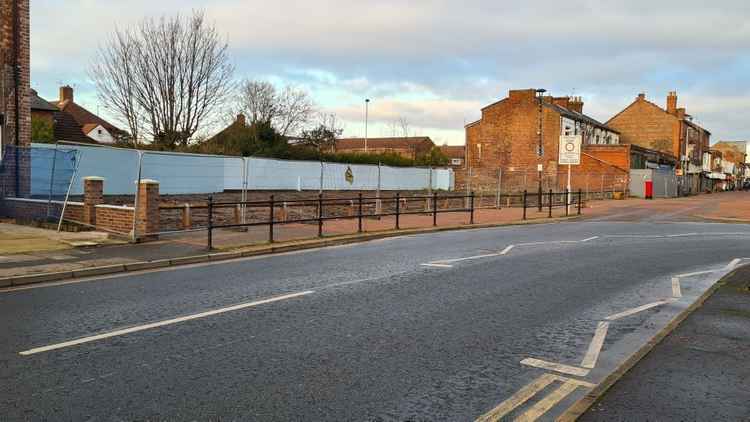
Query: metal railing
{"points": [[397, 205], [320, 203]]}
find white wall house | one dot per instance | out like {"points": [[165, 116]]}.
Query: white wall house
{"points": [[98, 133]]}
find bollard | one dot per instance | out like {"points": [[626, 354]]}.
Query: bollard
{"points": [[359, 214], [580, 195], [434, 209], [471, 207], [524, 204], [398, 203], [567, 202], [320, 215]]}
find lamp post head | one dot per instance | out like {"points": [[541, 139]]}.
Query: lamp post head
{"points": [[367, 100]]}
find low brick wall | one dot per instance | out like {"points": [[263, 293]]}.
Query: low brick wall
{"points": [[114, 218], [28, 209]]}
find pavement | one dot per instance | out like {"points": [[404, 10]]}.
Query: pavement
{"points": [[698, 372], [30, 251], [490, 324]]}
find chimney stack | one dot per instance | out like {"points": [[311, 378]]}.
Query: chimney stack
{"points": [[576, 104], [66, 93], [642, 96], [563, 102], [672, 102], [241, 119]]}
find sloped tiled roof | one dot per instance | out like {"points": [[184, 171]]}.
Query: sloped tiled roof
{"points": [[571, 114], [39, 103], [73, 122]]}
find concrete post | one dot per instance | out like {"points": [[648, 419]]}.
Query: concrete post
{"points": [[93, 195], [147, 218]]}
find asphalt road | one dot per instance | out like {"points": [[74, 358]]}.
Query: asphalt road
{"points": [[361, 332]]}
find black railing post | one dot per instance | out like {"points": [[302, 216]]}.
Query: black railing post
{"points": [[471, 207], [434, 209], [398, 209], [567, 202], [539, 196], [320, 215], [359, 214], [210, 222], [580, 193], [549, 205], [270, 220], [524, 204]]}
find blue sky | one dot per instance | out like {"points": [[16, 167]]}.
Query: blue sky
{"points": [[436, 63]]}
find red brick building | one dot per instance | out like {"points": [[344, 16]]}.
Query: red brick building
{"points": [[456, 155], [518, 133], [411, 147], [669, 130]]}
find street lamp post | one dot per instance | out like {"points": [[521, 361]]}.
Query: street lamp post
{"points": [[367, 107], [540, 147]]}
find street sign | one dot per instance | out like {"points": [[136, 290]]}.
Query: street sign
{"points": [[349, 175], [570, 150]]}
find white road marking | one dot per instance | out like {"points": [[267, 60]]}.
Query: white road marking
{"points": [[590, 239], [733, 264], [683, 235], [547, 403], [696, 273], [557, 367], [432, 264], [517, 399], [634, 311], [161, 323], [592, 354], [676, 288], [468, 258], [507, 249]]}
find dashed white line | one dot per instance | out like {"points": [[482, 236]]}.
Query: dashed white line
{"points": [[161, 323], [557, 367], [592, 354], [436, 265], [589, 239]]}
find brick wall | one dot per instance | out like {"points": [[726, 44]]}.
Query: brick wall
{"points": [[114, 218], [7, 102], [645, 124], [36, 209]]}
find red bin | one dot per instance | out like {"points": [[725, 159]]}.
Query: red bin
{"points": [[649, 189]]}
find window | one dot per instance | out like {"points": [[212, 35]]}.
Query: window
{"points": [[479, 152], [455, 161]]}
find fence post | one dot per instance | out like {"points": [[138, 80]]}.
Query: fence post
{"points": [[434, 209], [270, 220], [580, 195], [398, 209], [524, 204], [210, 222], [539, 196], [471, 207], [499, 187], [359, 214], [550, 203], [567, 202], [320, 215]]}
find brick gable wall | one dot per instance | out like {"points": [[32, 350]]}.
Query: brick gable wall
{"points": [[646, 125]]}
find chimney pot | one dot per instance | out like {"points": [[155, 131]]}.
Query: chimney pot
{"points": [[642, 96], [241, 119]]}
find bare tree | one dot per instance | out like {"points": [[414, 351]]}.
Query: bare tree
{"points": [[400, 127], [164, 78], [323, 136], [288, 110]]}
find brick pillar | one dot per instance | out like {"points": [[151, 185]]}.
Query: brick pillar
{"points": [[93, 195], [147, 214]]}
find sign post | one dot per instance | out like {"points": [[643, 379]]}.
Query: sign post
{"points": [[570, 154]]}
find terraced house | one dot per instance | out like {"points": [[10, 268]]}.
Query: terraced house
{"points": [[669, 130], [520, 134]]}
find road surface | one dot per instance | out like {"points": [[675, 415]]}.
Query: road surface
{"points": [[515, 322]]}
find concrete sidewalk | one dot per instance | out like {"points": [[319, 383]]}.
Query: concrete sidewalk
{"points": [[699, 372]]}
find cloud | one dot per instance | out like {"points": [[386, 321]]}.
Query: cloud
{"points": [[433, 60]]}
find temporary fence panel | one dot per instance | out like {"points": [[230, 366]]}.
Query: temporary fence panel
{"points": [[37, 179], [186, 173]]}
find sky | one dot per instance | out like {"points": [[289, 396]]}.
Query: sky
{"points": [[437, 63]]}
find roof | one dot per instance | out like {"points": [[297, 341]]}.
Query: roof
{"points": [[67, 129], [454, 151], [82, 116], [657, 106], [39, 103], [571, 114], [412, 142]]}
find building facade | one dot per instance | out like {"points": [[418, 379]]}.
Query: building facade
{"points": [[669, 130], [520, 134], [411, 147]]}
